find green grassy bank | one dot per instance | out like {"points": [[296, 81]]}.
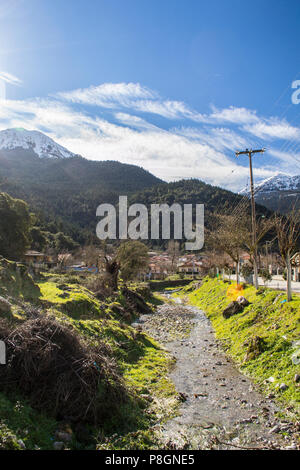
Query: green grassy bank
{"points": [[261, 339], [142, 364]]}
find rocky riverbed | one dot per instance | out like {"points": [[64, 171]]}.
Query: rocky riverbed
{"points": [[220, 407]]}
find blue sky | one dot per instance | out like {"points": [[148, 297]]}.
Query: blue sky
{"points": [[174, 86]]}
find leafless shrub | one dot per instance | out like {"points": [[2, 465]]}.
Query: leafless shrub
{"points": [[60, 373]]}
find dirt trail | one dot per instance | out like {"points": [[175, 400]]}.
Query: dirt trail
{"points": [[221, 408]]}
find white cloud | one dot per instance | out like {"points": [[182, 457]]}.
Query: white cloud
{"points": [[168, 109], [233, 115], [274, 129], [108, 95], [289, 160], [219, 138], [134, 121], [9, 78], [131, 96]]}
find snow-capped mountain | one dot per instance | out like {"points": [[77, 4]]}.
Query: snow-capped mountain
{"points": [[279, 193], [39, 143], [279, 182]]}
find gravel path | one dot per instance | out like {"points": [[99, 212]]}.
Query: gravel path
{"points": [[220, 407]]}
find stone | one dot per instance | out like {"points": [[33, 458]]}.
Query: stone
{"points": [[275, 429], [21, 444], [283, 387], [58, 445], [182, 396], [285, 427], [246, 421], [5, 305], [232, 309], [242, 301], [255, 348], [297, 378], [270, 379], [146, 396], [291, 447]]}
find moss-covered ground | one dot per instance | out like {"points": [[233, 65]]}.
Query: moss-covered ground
{"points": [[271, 318]]}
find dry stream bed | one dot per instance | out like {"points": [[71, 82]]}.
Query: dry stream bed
{"points": [[220, 407]]}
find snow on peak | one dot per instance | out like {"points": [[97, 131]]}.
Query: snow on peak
{"points": [[278, 182], [39, 143]]}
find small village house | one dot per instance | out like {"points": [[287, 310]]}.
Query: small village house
{"points": [[190, 267], [157, 272], [37, 260]]}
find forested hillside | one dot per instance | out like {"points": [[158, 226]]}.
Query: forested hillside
{"points": [[68, 191]]}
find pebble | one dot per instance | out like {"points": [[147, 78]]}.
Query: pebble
{"points": [[276, 428], [297, 378], [283, 387], [183, 396], [270, 379], [292, 447], [285, 427], [245, 421], [21, 444]]}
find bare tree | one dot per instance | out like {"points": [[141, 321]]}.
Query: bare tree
{"points": [[288, 234], [227, 238], [233, 236], [89, 254], [173, 252], [263, 226]]}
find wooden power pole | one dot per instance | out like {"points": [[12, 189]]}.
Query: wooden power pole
{"points": [[253, 216]]}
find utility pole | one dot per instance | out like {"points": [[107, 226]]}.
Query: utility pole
{"points": [[253, 216]]}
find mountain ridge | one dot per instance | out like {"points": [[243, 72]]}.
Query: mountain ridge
{"points": [[36, 141], [279, 182], [278, 193]]}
